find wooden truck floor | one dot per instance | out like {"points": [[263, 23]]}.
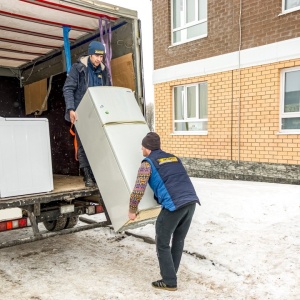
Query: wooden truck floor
{"points": [[65, 188]]}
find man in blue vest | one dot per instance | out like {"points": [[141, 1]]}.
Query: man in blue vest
{"points": [[174, 191], [86, 72]]}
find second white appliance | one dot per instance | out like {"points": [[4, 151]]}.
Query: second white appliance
{"points": [[25, 156]]}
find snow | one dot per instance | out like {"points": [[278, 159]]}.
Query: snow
{"points": [[244, 243]]}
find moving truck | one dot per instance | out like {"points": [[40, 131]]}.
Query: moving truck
{"points": [[39, 40]]}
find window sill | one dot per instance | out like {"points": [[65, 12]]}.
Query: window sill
{"points": [[296, 131], [285, 12], [188, 41], [190, 133]]}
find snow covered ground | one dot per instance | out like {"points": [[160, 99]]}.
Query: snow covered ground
{"points": [[244, 243]]}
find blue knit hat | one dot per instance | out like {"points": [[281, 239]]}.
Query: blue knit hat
{"points": [[96, 47]]}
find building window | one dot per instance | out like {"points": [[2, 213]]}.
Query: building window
{"points": [[190, 108], [290, 5], [290, 100], [189, 20]]}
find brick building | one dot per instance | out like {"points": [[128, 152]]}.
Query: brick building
{"points": [[227, 86]]}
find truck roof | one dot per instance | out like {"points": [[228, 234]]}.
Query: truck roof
{"points": [[32, 30]]}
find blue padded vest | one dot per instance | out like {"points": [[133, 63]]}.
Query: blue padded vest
{"points": [[169, 181]]}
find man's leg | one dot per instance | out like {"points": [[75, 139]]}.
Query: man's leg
{"points": [[84, 164], [166, 224], [180, 234]]}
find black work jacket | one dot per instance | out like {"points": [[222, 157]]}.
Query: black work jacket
{"points": [[77, 83]]}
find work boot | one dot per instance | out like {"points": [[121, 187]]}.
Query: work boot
{"points": [[88, 177], [159, 284]]}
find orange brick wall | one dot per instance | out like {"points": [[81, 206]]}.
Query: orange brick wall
{"points": [[259, 105]]}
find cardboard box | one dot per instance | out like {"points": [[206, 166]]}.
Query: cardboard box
{"points": [[123, 72]]}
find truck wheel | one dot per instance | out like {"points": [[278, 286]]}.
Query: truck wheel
{"points": [[71, 222], [56, 225]]}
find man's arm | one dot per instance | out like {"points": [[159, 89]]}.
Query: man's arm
{"points": [[143, 176], [70, 86]]}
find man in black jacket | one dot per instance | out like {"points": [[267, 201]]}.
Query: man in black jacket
{"points": [[88, 71]]}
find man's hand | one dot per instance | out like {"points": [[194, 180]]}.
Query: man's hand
{"points": [[73, 116], [131, 215]]}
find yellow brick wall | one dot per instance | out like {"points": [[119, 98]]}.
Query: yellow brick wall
{"points": [[243, 117]]}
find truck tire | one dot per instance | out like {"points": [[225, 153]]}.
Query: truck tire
{"points": [[71, 222], [56, 225]]}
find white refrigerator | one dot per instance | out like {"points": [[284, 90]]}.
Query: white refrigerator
{"points": [[111, 127]]}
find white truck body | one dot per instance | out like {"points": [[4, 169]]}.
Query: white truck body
{"points": [[33, 48]]}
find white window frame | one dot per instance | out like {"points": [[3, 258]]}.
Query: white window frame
{"points": [[187, 25], [282, 113], [285, 11], [186, 119]]}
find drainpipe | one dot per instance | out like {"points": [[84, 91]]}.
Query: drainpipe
{"points": [[239, 82], [232, 112]]}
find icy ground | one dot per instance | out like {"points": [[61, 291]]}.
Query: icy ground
{"points": [[244, 243]]}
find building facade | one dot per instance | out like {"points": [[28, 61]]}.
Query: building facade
{"points": [[227, 86]]}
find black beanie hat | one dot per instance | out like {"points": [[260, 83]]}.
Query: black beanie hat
{"points": [[151, 141], [96, 47]]}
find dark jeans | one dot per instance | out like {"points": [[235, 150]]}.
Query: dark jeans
{"points": [[175, 225], [83, 161]]}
